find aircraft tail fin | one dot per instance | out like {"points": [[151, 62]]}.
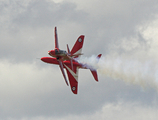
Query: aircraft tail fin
{"points": [[94, 72], [56, 38]]}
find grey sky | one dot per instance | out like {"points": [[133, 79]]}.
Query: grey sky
{"points": [[122, 30]]}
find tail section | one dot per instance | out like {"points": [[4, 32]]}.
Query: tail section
{"points": [[99, 56], [77, 48], [56, 38], [94, 72]]}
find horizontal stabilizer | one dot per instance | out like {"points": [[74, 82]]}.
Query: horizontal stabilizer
{"points": [[99, 56], [94, 72]]}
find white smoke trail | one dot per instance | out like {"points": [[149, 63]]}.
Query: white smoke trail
{"points": [[143, 73], [137, 63]]}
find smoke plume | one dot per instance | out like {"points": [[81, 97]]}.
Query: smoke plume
{"points": [[133, 71], [133, 59]]}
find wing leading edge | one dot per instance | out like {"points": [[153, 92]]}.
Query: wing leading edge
{"points": [[62, 70]]}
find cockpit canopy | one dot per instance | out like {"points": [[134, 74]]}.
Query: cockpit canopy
{"points": [[57, 52]]}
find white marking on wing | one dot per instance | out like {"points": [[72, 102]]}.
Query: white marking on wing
{"points": [[78, 52], [75, 75]]}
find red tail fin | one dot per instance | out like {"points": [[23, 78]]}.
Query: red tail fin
{"points": [[56, 38]]}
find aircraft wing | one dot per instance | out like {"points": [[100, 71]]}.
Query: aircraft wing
{"points": [[62, 70], [56, 38], [77, 48], [73, 77]]}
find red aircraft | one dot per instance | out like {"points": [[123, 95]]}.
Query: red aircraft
{"points": [[68, 61]]}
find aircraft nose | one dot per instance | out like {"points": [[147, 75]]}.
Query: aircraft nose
{"points": [[49, 52]]}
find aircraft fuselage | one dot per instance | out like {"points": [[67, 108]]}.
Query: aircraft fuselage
{"points": [[58, 54]]}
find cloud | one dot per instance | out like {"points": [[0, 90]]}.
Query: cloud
{"points": [[30, 89], [24, 85], [107, 22], [133, 59], [28, 27], [121, 110]]}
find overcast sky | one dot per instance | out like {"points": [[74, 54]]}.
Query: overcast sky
{"points": [[124, 31]]}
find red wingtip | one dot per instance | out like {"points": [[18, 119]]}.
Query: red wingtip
{"points": [[99, 56]]}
